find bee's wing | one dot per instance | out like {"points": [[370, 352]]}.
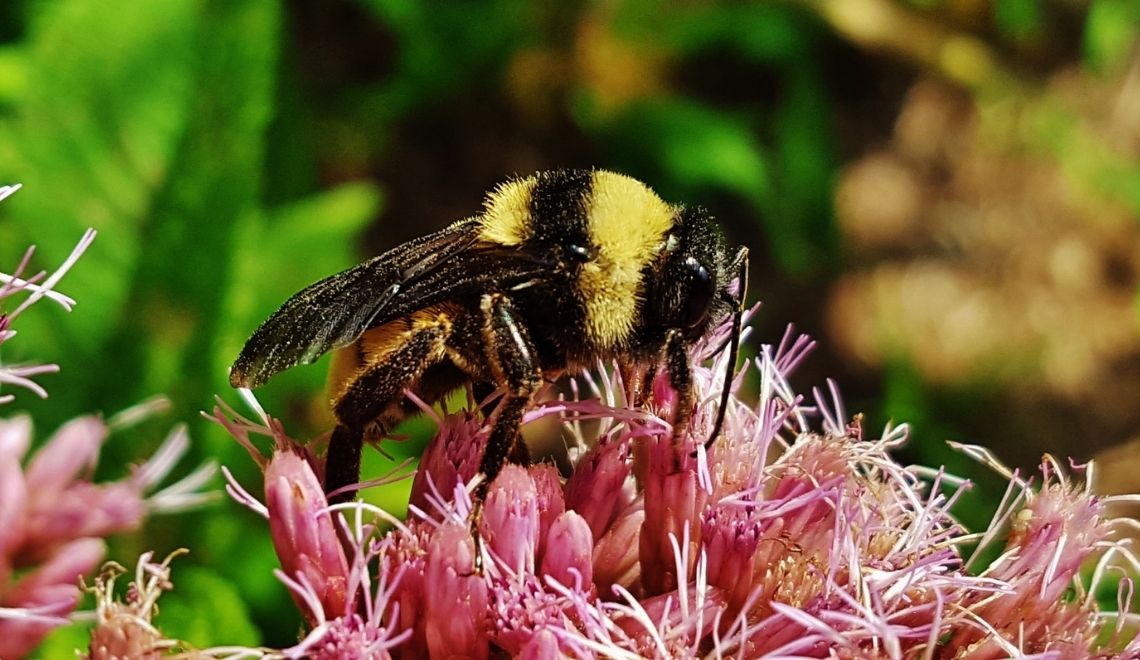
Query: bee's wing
{"points": [[335, 311]]}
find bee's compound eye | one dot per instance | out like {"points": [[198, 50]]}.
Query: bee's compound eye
{"points": [[700, 291], [578, 252]]}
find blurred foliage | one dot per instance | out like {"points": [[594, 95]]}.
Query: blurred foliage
{"points": [[231, 151]]}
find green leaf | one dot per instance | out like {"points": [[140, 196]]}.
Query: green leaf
{"points": [[1112, 29], [693, 144], [799, 214], [1020, 19], [13, 74], [279, 252], [765, 32], [63, 642], [89, 143], [237, 544], [441, 51], [148, 125]]}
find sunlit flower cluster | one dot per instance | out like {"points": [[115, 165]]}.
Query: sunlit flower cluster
{"points": [[781, 540]]}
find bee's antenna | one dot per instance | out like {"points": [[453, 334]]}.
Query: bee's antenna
{"points": [[741, 263]]}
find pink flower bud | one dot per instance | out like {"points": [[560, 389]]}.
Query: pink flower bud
{"points": [[597, 489], [569, 553], [52, 589], [15, 437], [510, 521], [616, 553], [407, 554], [70, 454], [13, 499], [455, 596], [303, 532], [673, 501], [450, 458], [542, 645], [731, 540], [66, 566], [83, 509], [551, 504]]}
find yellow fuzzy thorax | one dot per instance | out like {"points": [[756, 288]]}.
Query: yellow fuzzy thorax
{"points": [[627, 224]]}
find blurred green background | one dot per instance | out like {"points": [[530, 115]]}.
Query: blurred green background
{"points": [[944, 192]]}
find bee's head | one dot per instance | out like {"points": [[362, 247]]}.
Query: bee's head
{"points": [[692, 285]]}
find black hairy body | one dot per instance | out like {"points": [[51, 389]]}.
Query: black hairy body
{"points": [[561, 269]]}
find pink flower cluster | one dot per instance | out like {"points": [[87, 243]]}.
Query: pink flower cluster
{"points": [[53, 519], [779, 541], [52, 516]]}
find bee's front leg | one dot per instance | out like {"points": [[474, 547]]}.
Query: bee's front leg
{"points": [[514, 365], [676, 358]]}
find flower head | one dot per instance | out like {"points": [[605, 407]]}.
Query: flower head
{"points": [[1044, 606], [782, 539], [303, 530], [124, 628]]}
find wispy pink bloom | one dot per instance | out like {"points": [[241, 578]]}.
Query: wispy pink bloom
{"points": [[783, 539], [1044, 607], [37, 286]]}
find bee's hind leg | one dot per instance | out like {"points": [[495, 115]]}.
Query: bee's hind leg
{"points": [[513, 361], [377, 390]]}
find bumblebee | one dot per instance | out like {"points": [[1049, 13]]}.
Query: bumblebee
{"points": [[561, 269]]}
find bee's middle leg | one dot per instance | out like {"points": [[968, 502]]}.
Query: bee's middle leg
{"points": [[513, 362], [377, 389]]}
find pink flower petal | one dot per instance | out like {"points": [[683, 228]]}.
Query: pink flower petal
{"points": [[15, 437], [70, 453]]}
